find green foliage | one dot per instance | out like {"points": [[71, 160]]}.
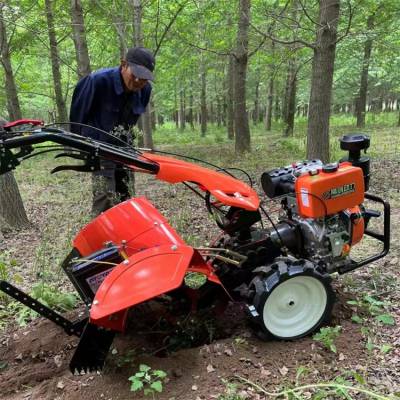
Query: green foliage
{"points": [[327, 337], [147, 379], [342, 387], [373, 307], [49, 296]]}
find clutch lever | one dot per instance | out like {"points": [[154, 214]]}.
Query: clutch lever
{"points": [[92, 163]]}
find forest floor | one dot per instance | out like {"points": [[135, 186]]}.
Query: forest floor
{"points": [[234, 365]]}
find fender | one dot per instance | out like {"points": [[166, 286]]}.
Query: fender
{"points": [[141, 277], [133, 225]]}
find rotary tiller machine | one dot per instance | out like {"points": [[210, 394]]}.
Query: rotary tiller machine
{"points": [[130, 254]]}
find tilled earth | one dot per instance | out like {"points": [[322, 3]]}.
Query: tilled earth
{"points": [[34, 359]]}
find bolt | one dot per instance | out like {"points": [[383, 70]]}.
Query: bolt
{"points": [[126, 262], [95, 302], [174, 247], [155, 223]]}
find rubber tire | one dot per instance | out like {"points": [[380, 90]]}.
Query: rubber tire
{"points": [[272, 277]]}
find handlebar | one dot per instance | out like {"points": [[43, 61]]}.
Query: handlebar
{"points": [[94, 149]]}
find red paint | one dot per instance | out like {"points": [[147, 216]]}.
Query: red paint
{"points": [[35, 122], [228, 190], [143, 276], [134, 225]]}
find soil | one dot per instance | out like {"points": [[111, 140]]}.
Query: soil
{"points": [[34, 359]]}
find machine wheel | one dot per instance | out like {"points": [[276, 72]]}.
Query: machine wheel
{"points": [[291, 299]]}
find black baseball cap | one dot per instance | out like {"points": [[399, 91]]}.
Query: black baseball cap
{"points": [[142, 62]]}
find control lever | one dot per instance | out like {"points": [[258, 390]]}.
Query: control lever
{"points": [[92, 163]]}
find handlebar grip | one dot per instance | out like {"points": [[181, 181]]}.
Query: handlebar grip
{"points": [[34, 122]]}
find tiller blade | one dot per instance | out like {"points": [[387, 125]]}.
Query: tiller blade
{"points": [[92, 349]]}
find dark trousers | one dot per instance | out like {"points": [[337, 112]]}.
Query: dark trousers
{"points": [[111, 185]]}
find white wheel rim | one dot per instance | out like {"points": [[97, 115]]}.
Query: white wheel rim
{"points": [[295, 306]]}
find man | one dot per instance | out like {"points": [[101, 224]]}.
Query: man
{"points": [[112, 99]]}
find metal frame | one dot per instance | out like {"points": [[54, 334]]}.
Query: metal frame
{"points": [[381, 237]]}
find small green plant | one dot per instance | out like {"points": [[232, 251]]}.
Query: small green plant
{"points": [[373, 307], [327, 337], [147, 379]]}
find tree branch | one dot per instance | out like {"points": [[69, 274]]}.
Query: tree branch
{"points": [[351, 13], [280, 41], [168, 27], [307, 14]]}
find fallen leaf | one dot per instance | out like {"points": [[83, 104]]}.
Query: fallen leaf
{"points": [[228, 352], [194, 387], [210, 368], [341, 357], [283, 371], [264, 372], [60, 385]]}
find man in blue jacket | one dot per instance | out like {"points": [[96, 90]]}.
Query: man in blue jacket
{"points": [[112, 100]]}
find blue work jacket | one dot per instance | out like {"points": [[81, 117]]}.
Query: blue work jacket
{"points": [[99, 100]]}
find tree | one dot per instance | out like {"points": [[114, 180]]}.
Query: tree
{"points": [[362, 95], [270, 93], [242, 130], [12, 211], [14, 109], [321, 80], [79, 37], [55, 63]]}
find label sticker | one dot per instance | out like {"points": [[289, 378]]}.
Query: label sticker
{"points": [[95, 281], [304, 197]]}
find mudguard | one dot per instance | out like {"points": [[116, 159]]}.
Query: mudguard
{"points": [[134, 225], [141, 277]]}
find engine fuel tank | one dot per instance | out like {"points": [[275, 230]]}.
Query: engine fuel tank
{"points": [[326, 191]]}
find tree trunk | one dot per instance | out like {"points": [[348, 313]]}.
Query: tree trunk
{"points": [[362, 96], [182, 113], [203, 104], [256, 114], [138, 41], [270, 103], [13, 107], [55, 64], [270, 93], [242, 137], [321, 80], [11, 206], [230, 98], [277, 109], [190, 113], [290, 99], [12, 211], [79, 37], [176, 116], [137, 22]]}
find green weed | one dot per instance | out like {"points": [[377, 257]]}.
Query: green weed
{"points": [[327, 337], [374, 308], [47, 295], [147, 379]]}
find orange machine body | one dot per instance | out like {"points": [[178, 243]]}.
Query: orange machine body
{"points": [[326, 193]]}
